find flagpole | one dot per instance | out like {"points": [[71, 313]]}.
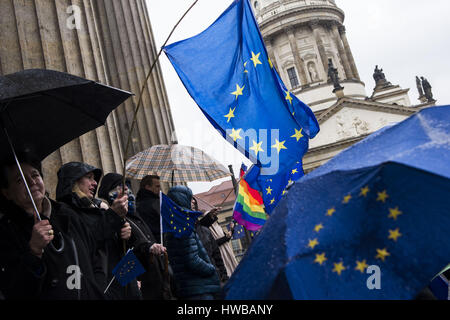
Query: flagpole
{"points": [[144, 86], [160, 217], [110, 283]]}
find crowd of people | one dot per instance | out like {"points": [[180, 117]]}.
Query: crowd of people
{"points": [[67, 248]]}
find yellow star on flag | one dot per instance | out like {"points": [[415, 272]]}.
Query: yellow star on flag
{"points": [[245, 66], [364, 191], [270, 63], [284, 192], [361, 266], [288, 97], [331, 211], [279, 145], [235, 134], [347, 198], [339, 267], [294, 171], [313, 243], [230, 114], [382, 196], [269, 190], [272, 201], [255, 59], [318, 227], [394, 234], [394, 213], [320, 258], [239, 91], [298, 134], [382, 254], [257, 147]]}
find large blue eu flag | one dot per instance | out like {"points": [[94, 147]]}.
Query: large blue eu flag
{"points": [[228, 73]]}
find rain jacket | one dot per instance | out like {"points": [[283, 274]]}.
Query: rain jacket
{"points": [[156, 281], [193, 271], [68, 274], [104, 225]]}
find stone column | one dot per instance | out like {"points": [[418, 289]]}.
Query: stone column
{"points": [[269, 47], [351, 60], [300, 66], [315, 26], [341, 51], [111, 43]]}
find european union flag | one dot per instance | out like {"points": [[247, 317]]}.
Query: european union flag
{"points": [[175, 219], [227, 71], [369, 224], [239, 232], [128, 268]]}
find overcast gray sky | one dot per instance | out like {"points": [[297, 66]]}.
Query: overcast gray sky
{"points": [[404, 37]]}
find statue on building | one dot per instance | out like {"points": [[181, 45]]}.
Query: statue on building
{"points": [[419, 87], [380, 78], [427, 89], [313, 72], [334, 76]]}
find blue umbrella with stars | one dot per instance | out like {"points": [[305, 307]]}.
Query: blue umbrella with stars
{"points": [[372, 223]]}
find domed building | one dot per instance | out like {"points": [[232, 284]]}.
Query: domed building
{"points": [[307, 43]]}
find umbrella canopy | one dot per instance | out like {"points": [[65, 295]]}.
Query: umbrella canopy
{"points": [[175, 163], [44, 109], [372, 223]]}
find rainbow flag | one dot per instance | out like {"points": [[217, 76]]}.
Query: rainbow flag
{"points": [[249, 206]]}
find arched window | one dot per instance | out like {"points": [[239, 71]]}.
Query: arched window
{"points": [[293, 77], [256, 5]]}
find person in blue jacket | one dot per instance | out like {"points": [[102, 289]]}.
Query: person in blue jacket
{"points": [[195, 276]]}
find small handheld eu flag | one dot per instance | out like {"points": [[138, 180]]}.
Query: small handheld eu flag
{"points": [[128, 268]]}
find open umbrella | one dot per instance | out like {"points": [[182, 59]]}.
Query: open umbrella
{"points": [[372, 223], [175, 163], [44, 109], [41, 110]]}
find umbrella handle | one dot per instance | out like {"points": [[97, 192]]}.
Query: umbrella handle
{"points": [[60, 249]]}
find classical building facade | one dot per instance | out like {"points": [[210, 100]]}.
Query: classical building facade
{"points": [[305, 39], [106, 41]]}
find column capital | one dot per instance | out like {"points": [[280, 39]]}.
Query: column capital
{"points": [[341, 29], [289, 30], [314, 23]]}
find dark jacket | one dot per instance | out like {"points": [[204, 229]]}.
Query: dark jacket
{"points": [[207, 221], [147, 204], [193, 271], [212, 249], [55, 275], [104, 225], [155, 282]]}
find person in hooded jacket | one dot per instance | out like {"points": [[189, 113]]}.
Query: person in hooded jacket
{"points": [[195, 276], [51, 259], [155, 282], [210, 244], [77, 185]]}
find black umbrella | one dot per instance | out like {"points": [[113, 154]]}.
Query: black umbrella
{"points": [[41, 110]]}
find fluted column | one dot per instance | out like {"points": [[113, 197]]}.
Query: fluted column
{"points": [[269, 47], [112, 43], [300, 66], [349, 52], [342, 52], [315, 26]]}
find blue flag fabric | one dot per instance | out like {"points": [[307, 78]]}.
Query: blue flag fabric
{"points": [[369, 224], [177, 220], [227, 71], [128, 268], [239, 232]]}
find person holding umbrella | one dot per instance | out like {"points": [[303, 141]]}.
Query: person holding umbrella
{"points": [[77, 186], [52, 257]]}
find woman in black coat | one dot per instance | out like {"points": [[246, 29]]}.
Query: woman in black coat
{"points": [[49, 259], [77, 185], [156, 281]]}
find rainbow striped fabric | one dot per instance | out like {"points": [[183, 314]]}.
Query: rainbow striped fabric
{"points": [[249, 207]]}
